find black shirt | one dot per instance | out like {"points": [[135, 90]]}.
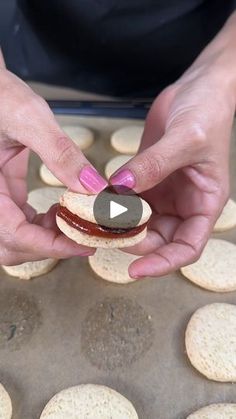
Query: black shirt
{"points": [[119, 47]]}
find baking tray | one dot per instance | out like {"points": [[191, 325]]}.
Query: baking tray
{"points": [[70, 327]]}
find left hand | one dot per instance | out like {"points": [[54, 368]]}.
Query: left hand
{"points": [[183, 165], [41, 233]]}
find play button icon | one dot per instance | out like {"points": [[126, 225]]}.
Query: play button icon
{"points": [[113, 210], [116, 209]]}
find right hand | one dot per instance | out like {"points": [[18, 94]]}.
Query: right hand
{"points": [[27, 123]]}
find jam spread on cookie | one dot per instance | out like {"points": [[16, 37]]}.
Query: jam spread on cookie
{"points": [[95, 229]]}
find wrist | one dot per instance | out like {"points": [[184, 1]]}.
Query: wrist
{"points": [[218, 59]]}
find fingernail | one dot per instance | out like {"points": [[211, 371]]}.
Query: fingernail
{"points": [[91, 180], [133, 274], [123, 178], [87, 253]]}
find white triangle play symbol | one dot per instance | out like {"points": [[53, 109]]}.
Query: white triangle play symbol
{"points": [[116, 209]]}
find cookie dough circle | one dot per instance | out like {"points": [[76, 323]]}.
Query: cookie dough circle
{"points": [[127, 140], [5, 404], [82, 137], [115, 163], [48, 177], [30, 270], [215, 411], [89, 401], [215, 269], [227, 219], [112, 265], [210, 341], [42, 199]]}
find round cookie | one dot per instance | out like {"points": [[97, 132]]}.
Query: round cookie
{"points": [[89, 401], [82, 137], [210, 341], [42, 199], [127, 140], [30, 270], [112, 265], [215, 269], [215, 411], [227, 219], [114, 164], [48, 177], [5, 404]]}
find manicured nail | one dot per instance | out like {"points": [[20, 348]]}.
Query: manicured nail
{"points": [[133, 274], [91, 180], [123, 178], [87, 254]]}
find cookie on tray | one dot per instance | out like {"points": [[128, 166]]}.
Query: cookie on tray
{"points": [[89, 401], [210, 341]]}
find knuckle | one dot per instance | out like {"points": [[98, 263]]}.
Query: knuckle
{"points": [[194, 250], [65, 150], [198, 249], [151, 164], [194, 258], [28, 104], [196, 135]]}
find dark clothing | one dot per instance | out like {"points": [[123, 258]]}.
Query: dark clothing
{"points": [[116, 47]]}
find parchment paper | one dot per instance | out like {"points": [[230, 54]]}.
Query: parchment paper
{"points": [[70, 327]]}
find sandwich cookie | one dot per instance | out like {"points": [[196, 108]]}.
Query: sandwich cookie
{"points": [[215, 411], [5, 404], [215, 269], [89, 401], [108, 220], [227, 219], [114, 164], [112, 265], [210, 341], [127, 140], [82, 137]]}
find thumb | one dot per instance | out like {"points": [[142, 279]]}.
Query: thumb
{"points": [[154, 164]]}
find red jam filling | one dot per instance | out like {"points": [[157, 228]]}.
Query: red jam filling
{"points": [[95, 229]]}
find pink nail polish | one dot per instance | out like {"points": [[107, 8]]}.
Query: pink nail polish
{"points": [[135, 276], [88, 253], [132, 274], [91, 180], [123, 178]]}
